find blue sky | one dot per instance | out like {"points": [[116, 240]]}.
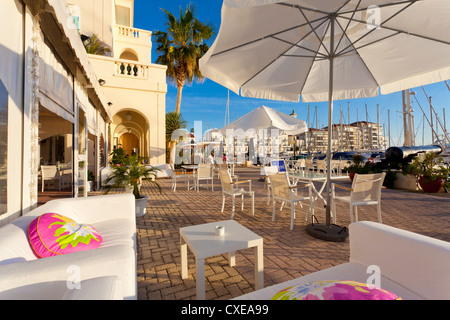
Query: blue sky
{"points": [[207, 101]]}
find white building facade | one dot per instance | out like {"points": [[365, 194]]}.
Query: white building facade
{"points": [[134, 87], [52, 108]]}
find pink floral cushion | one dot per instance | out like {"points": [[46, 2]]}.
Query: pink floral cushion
{"points": [[334, 290], [52, 234]]}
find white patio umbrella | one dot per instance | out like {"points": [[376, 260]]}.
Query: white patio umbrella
{"points": [[267, 118], [329, 49]]}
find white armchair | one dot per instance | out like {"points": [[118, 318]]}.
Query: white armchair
{"points": [[309, 165], [321, 165], [282, 190], [365, 190], [229, 187], [300, 164], [50, 173], [204, 172], [183, 175], [268, 171]]}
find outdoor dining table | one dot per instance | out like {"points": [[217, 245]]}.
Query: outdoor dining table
{"points": [[310, 176]]}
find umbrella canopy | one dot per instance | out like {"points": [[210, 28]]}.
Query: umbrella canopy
{"points": [[325, 50], [281, 49], [267, 118]]}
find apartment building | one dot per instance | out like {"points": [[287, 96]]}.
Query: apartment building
{"points": [[357, 136], [368, 136]]}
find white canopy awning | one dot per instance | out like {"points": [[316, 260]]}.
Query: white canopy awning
{"points": [[267, 118]]}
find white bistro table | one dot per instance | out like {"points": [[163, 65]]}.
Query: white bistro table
{"points": [[310, 176], [194, 168], [203, 242]]}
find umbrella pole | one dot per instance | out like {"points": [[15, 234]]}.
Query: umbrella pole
{"points": [[328, 231], [330, 132]]}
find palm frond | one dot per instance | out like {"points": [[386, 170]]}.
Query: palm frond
{"points": [[182, 44], [97, 46]]}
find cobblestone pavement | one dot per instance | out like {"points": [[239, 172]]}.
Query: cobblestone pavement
{"points": [[287, 254]]}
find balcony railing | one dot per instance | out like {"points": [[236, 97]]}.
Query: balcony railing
{"points": [[129, 32], [132, 70]]}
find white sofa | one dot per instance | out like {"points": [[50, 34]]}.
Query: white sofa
{"points": [[108, 272], [164, 171], [412, 266]]}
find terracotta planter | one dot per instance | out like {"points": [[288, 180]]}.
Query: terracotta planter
{"points": [[351, 174], [429, 186]]}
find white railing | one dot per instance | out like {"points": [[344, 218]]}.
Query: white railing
{"points": [[131, 69], [132, 33], [129, 32]]}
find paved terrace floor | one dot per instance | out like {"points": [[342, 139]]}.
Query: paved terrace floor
{"points": [[287, 254]]}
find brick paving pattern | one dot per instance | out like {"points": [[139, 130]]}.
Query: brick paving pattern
{"points": [[287, 254]]}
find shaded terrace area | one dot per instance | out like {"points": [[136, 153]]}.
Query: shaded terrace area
{"points": [[287, 254]]}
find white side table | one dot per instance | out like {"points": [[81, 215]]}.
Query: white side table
{"points": [[204, 243]]}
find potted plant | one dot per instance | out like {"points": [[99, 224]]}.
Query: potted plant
{"points": [[90, 180], [389, 179], [356, 166], [118, 156], [129, 173], [430, 173]]}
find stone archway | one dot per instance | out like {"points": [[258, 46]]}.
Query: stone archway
{"points": [[129, 54], [129, 142], [130, 130]]}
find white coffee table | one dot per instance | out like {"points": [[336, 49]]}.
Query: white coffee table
{"points": [[203, 242]]}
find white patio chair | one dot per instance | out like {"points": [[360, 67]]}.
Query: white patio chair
{"points": [[337, 166], [309, 165], [231, 188], [285, 192], [204, 172], [218, 166], [268, 171], [321, 165], [183, 175], [50, 173], [300, 164], [365, 191], [66, 174]]}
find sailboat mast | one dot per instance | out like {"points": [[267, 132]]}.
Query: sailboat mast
{"points": [[227, 111], [378, 127]]}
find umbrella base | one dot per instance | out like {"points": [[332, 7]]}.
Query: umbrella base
{"points": [[332, 232]]}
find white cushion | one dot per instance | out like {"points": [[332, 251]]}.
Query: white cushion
{"points": [[55, 271], [102, 288], [164, 170], [414, 261], [48, 290], [346, 271], [117, 232]]}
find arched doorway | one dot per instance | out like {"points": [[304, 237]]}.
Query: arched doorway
{"points": [[129, 142], [130, 131]]}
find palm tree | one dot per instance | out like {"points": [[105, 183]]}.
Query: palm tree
{"points": [[97, 46], [180, 48], [174, 121]]}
